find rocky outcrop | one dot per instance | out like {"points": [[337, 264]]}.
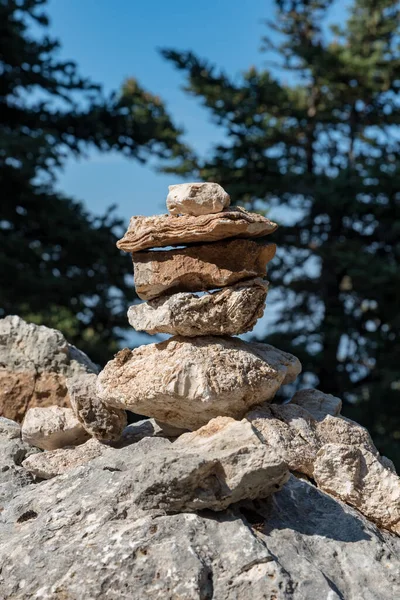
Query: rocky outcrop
{"points": [[100, 421], [231, 311], [198, 268], [196, 199], [35, 363], [52, 427], [188, 381], [167, 230], [115, 527]]}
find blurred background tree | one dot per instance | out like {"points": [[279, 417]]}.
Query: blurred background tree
{"points": [[59, 265], [323, 143]]}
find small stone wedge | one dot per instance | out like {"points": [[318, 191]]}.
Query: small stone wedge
{"points": [[199, 268], [166, 230]]}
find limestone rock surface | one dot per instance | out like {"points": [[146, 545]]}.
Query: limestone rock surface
{"points": [[52, 427], [198, 268], [35, 362], [297, 436], [100, 421], [86, 534], [167, 230], [188, 381], [356, 476], [231, 311], [196, 199]]}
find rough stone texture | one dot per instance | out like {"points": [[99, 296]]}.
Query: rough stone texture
{"points": [[52, 427], [231, 311], [198, 268], [100, 421], [82, 535], [297, 446], [188, 381], [167, 230], [9, 429], [12, 476], [296, 436], [317, 403], [56, 462], [356, 476], [35, 362], [196, 199]]}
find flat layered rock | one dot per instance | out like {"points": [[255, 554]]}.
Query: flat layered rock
{"points": [[197, 199], [100, 421], [52, 427], [231, 311], [167, 230], [199, 268], [188, 381]]}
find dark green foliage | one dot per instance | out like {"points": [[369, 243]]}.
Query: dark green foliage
{"points": [[58, 265], [316, 135]]}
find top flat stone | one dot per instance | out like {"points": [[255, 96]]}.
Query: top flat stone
{"points": [[167, 230], [197, 199]]}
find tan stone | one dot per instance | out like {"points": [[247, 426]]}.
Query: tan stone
{"points": [[188, 381], [52, 427], [357, 477], [196, 199], [100, 421], [16, 391], [199, 268], [231, 311], [47, 465], [167, 230], [318, 403]]}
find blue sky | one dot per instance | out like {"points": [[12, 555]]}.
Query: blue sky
{"points": [[112, 40]]}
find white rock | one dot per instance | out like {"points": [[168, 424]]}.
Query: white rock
{"points": [[357, 477], [196, 199], [52, 427], [185, 382]]}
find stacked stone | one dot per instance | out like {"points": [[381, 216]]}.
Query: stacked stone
{"points": [[208, 286]]}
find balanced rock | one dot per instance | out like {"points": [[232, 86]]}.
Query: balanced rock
{"points": [[357, 477], [230, 311], [167, 230], [188, 381], [199, 268], [196, 199], [100, 421], [52, 427], [35, 363]]}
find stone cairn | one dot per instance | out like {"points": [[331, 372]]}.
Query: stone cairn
{"points": [[202, 372], [206, 285]]}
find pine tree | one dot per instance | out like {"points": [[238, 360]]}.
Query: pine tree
{"points": [[58, 264], [322, 144]]}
